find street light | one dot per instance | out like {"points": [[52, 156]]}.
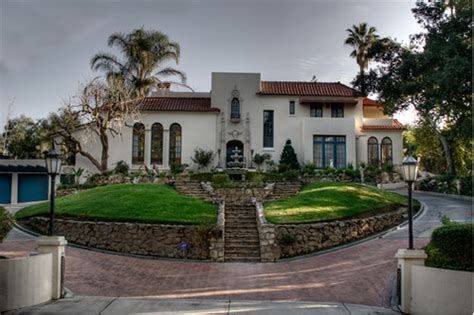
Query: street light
{"points": [[53, 168], [409, 172]]}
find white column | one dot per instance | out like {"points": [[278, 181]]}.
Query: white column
{"points": [[166, 148], [406, 259], [56, 246], [147, 147]]}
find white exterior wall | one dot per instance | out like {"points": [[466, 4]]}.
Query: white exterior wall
{"points": [[198, 131], [397, 144], [212, 131]]}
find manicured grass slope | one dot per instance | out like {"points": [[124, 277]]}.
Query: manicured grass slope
{"points": [[329, 201], [130, 202]]}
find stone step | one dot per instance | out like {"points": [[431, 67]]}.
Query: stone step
{"points": [[247, 243], [242, 253], [233, 227], [239, 258]]}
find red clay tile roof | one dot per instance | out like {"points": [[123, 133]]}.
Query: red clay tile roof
{"points": [[396, 125], [371, 102], [177, 104], [306, 88]]}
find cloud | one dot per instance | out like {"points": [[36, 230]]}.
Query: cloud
{"points": [[3, 68]]}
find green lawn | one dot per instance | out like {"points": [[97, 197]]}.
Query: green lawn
{"points": [[329, 201], [130, 202]]}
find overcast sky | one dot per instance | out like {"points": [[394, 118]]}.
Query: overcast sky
{"points": [[46, 45]]}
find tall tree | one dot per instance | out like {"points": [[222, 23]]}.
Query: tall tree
{"points": [[141, 68], [361, 38], [433, 74], [22, 140], [99, 112]]}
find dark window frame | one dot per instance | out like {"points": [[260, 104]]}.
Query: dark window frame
{"points": [[316, 110], [337, 110], [138, 143], [386, 159], [176, 143], [292, 108], [321, 145], [268, 128], [235, 108], [373, 147], [156, 144]]}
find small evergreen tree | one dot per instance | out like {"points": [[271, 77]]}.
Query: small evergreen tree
{"points": [[288, 159]]}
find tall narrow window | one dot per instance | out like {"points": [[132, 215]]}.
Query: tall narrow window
{"points": [[156, 144], [292, 107], [175, 143], [138, 144], [386, 151], [316, 110], [268, 129], [373, 151], [337, 110], [235, 108], [329, 151]]}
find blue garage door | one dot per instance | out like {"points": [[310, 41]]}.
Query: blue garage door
{"points": [[32, 187], [5, 188]]}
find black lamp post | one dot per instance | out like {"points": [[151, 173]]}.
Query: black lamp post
{"points": [[53, 168], [409, 172]]}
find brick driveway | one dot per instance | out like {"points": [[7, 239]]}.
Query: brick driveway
{"points": [[361, 274]]}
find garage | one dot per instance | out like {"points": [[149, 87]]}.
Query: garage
{"points": [[32, 187], [23, 181], [5, 188]]}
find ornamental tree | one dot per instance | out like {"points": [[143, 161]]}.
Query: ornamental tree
{"points": [[288, 159]]}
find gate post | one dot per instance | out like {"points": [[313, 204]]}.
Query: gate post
{"points": [[406, 259], [56, 246]]}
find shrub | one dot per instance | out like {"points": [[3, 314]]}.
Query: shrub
{"points": [[221, 179], [202, 177], [308, 169], [177, 168], [121, 168], [264, 177], [288, 159], [287, 239], [6, 223], [451, 247], [67, 179], [203, 158], [291, 175]]}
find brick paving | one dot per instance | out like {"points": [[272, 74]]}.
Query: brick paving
{"points": [[361, 274]]}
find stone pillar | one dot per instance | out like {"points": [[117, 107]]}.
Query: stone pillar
{"points": [[56, 246], [406, 259]]}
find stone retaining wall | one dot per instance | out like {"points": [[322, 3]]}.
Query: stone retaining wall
{"points": [[138, 238], [300, 239]]}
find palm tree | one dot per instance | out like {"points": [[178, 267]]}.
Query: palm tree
{"points": [[361, 38], [141, 69]]}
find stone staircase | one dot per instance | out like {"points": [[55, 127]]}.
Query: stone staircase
{"points": [[192, 189], [241, 235], [283, 190]]}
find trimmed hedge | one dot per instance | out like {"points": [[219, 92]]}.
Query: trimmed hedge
{"points": [[451, 247]]}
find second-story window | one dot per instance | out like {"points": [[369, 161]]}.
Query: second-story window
{"points": [[292, 107], [337, 110], [268, 129], [235, 108], [316, 110]]}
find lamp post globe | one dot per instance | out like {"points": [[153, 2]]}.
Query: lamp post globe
{"points": [[53, 168], [409, 172]]}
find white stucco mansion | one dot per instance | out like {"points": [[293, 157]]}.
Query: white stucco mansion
{"points": [[326, 122]]}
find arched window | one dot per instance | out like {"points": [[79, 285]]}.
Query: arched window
{"points": [[175, 143], [138, 144], [156, 144], [373, 151], [386, 151], [235, 108]]}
